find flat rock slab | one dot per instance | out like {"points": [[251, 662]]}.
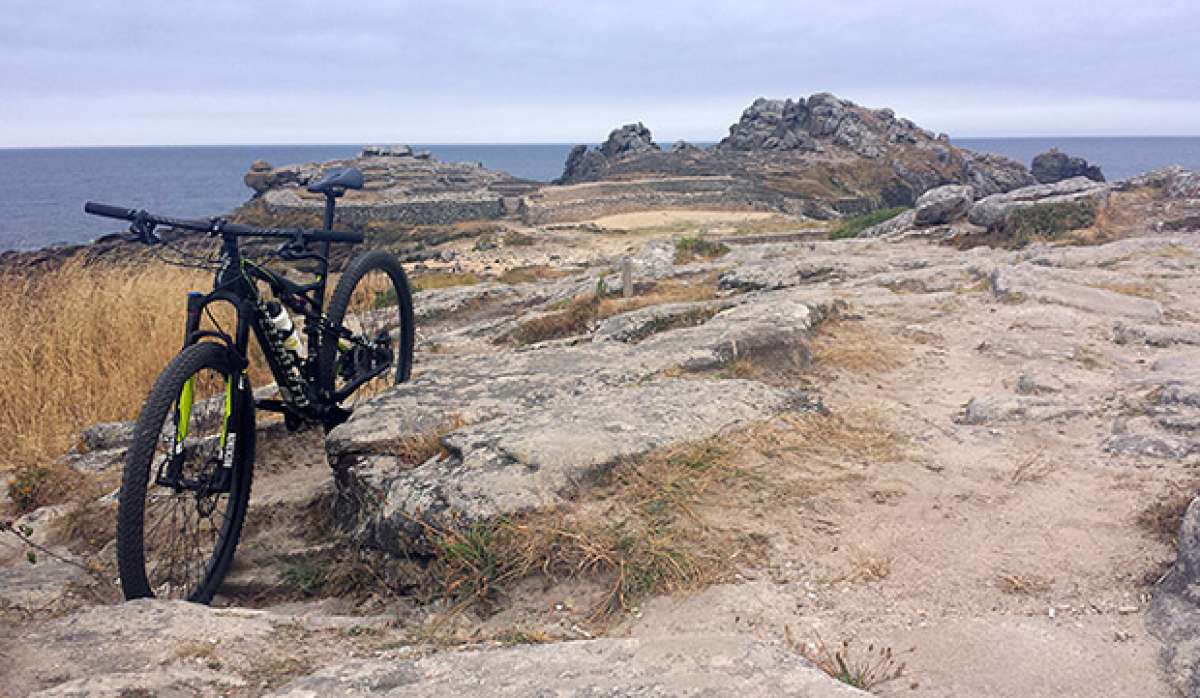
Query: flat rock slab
{"points": [[35, 586], [1032, 282], [1156, 335], [644, 667], [537, 458], [1151, 446], [639, 324], [105, 650], [987, 409]]}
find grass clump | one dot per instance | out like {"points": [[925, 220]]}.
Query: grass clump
{"points": [[864, 670], [651, 538], [440, 279], [523, 275], [689, 250], [852, 226], [1163, 516], [853, 346], [1047, 221], [580, 315]]}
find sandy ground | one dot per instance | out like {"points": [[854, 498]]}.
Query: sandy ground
{"points": [[994, 560]]}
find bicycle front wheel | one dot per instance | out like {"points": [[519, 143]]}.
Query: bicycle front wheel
{"points": [[373, 304], [187, 478]]}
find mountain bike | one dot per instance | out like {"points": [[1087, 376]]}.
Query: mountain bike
{"points": [[186, 484]]}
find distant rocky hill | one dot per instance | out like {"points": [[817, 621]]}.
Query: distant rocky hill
{"points": [[402, 186], [818, 156]]}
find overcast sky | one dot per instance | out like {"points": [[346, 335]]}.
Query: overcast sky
{"points": [[445, 71]]}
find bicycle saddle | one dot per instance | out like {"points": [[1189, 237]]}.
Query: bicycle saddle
{"points": [[337, 181]]}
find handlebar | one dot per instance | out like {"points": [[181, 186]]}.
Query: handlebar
{"points": [[219, 226]]}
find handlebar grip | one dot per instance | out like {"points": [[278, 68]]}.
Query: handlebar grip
{"points": [[107, 211]]}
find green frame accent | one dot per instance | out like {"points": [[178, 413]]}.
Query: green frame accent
{"points": [[186, 397]]}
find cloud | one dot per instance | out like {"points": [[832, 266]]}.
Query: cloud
{"points": [[522, 70]]}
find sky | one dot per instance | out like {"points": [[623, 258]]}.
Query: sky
{"points": [[141, 72]]}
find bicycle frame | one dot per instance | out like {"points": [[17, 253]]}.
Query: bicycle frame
{"points": [[234, 284]]}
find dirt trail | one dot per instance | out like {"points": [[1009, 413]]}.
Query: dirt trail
{"points": [[1001, 559]]}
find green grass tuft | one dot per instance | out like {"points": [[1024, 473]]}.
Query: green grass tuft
{"points": [[851, 227]]}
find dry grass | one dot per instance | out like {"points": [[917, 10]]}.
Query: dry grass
{"points": [[692, 249], [90, 342], [581, 314], [441, 279], [859, 436], [419, 448], [642, 534], [1163, 516], [854, 346], [1124, 215], [1023, 584], [864, 669], [524, 275], [1140, 289], [870, 568]]}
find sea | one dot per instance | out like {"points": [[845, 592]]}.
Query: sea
{"points": [[42, 190]]}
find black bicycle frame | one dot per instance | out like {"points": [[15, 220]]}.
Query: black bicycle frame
{"points": [[235, 284]]}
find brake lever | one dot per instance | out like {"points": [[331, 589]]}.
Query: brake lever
{"points": [[142, 230]]}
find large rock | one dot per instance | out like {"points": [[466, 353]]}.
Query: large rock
{"points": [[992, 211], [630, 138], [943, 204], [538, 458], [1055, 166], [987, 409], [659, 667], [539, 421], [1174, 615], [584, 163], [989, 173]]}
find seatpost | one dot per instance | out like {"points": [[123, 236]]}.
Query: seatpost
{"points": [[330, 203]]}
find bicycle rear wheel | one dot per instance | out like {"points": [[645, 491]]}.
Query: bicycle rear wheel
{"points": [[187, 478], [373, 302]]}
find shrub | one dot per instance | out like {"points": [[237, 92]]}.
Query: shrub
{"points": [[1047, 221], [851, 227], [690, 249]]}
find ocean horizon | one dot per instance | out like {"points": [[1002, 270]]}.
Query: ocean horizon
{"points": [[42, 190]]}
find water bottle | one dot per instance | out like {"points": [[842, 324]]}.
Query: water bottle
{"points": [[283, 325]]}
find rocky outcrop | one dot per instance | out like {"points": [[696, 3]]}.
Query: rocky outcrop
{"points": [[992, 211], [819, 155], [989, 173], [660, 667], [584, 163], [1055, 166]]}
